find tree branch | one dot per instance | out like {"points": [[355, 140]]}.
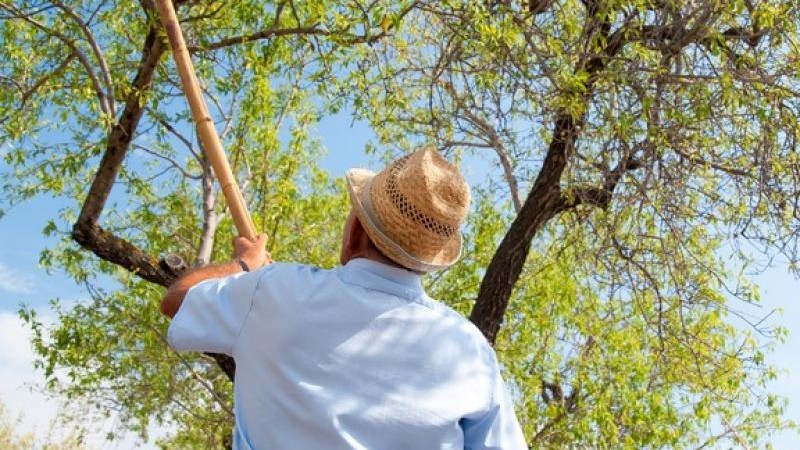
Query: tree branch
{"points": [[544, 200], [601, 196], [174, 164], [167, 126], [492, 140], [116, 250], [210, 220], [696, 159], [86, 230], [259, 35], [35, 87], [269, 33], [119, 138], [98, 54], [307, 30]]}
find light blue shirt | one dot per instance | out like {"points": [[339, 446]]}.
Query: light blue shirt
{"points": [[357, 357]]}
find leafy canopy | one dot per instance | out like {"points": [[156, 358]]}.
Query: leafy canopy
{"points": [[622, 149]]}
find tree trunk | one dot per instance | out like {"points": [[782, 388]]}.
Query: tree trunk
{"points": [[542, 204], [544, 200]]}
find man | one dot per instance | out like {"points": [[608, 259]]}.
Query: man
{"points": [[357, 357]]}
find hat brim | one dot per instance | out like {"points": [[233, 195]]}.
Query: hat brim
{"points": [[358, 181]]}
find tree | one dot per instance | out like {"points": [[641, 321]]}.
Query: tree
{"points": [[12, 439], [635, 140], [647, 135]]}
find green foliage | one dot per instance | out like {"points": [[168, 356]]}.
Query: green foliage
{"points": [[595, 364], [619, 333]]}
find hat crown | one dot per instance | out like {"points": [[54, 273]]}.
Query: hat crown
{"points": [[434, 186]]}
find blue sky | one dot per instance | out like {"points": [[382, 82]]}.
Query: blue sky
{"points": [[23, 281]]}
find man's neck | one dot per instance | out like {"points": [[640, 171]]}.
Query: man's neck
{"points": [[374, 255]]}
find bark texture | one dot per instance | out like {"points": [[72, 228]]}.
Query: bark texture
{"points": [[87, 231], [542, 204]]}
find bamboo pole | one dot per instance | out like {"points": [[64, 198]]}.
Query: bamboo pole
{"points": [[205, 126]]}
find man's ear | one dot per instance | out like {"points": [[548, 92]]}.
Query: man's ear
{"points": [[350, 236], [355, 242], [356, 236]]}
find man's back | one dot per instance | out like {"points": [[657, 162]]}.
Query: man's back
{"points": [[352, 358]]}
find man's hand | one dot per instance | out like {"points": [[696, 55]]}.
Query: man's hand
{"points": [[253, 253]]}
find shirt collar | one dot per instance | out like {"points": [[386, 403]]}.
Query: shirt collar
{"points": [[382, 277]]}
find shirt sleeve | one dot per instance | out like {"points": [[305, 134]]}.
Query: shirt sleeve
{"points": [[497, 428], [213, 313]]}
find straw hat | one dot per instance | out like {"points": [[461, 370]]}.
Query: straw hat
{"points": [[412, 209]]}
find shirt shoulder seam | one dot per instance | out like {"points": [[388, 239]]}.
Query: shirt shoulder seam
{"points": [[249, 312]]}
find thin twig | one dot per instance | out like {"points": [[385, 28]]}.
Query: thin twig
{"points": [[98, 53]]}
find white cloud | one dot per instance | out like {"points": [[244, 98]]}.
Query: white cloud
{"points": [[21, 389], [18, 377], [15, 336], [14, 281]]}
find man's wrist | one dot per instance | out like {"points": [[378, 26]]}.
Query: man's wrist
{"points": [[243, 264]]}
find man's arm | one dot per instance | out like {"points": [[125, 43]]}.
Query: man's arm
{"points": [[497, 428], [252, 253]]}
